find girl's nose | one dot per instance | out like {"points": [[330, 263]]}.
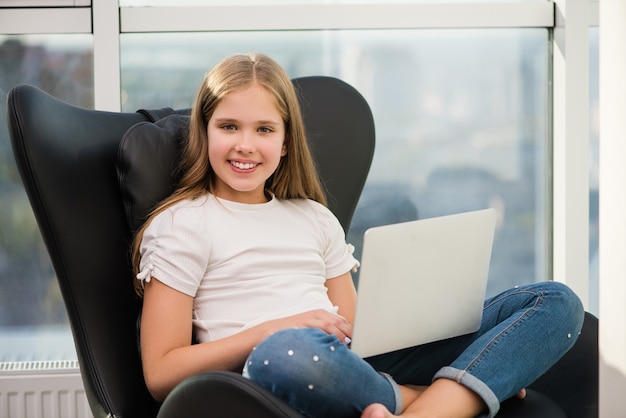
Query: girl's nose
{"points": [[245, 142]]}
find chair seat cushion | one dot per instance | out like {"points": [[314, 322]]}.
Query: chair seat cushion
{"points": [[535, 405]]}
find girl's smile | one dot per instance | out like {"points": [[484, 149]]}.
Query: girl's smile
{"points": [[243, 166], [246, 142]]}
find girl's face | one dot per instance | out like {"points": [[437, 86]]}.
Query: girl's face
{"points": [[246, 142]]}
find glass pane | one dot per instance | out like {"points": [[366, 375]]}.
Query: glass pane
{"points": [[460, 117], [33, 321]]}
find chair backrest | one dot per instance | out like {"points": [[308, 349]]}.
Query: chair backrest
{"points": [[67, 156]]}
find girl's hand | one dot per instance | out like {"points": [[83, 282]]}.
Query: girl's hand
{"points": [[342, 294], [328, 322]]}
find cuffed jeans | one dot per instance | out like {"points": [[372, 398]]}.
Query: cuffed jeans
{"points": [[524, 331]]}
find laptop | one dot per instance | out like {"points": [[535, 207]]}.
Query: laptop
{"points": [[422, 281]]}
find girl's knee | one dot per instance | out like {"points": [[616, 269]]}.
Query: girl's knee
{"points": [[291, 356], [565, 304], [564, 295], [317, 374]]}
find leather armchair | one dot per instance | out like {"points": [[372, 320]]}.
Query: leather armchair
{"points": [[90, 189]]}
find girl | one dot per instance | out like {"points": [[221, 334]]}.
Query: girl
{"points": [[245, 257]]}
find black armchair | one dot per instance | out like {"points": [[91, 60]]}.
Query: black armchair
{"points": [[68, 159]]}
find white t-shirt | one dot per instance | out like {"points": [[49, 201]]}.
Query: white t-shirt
{"points": [[246, 263]]}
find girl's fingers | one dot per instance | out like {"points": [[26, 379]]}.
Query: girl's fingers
{"points": [[332, 323]]}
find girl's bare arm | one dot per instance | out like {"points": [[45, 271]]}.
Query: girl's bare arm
{"points": [[167, 353], [342, 293]]}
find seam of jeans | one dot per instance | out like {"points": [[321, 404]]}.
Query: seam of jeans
{"points": [[512, 292], [539, 299]]}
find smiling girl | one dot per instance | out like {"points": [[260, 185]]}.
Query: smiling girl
{"points": [[245, 258]]}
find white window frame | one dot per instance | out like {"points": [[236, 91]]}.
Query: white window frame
{"points": [[44, 3], [612, 206], [570, 171]]}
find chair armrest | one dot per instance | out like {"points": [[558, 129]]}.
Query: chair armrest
{"points": [[223, 394]]}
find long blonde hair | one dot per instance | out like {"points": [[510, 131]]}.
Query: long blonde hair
{"points": [[295, 176]]}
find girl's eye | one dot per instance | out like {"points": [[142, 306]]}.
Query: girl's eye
{"points": [[265, 130], [229, 127]]}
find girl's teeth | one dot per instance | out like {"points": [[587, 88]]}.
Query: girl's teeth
{"points": [[243, 166]]}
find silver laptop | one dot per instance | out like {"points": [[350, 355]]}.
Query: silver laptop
{"points": [[422, 281]]}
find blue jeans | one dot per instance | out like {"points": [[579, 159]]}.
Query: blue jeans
{"points": [[524, 331]]}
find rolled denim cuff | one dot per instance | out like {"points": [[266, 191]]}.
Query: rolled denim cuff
{"points": [[474, 384], [396, 392]]}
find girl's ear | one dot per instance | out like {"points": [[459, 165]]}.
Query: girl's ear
{"points": [[284, 151]]}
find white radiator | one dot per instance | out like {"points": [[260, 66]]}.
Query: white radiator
{"points": [[42, 389]]}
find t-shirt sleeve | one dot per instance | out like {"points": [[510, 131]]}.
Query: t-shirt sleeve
{"points": [[175, 249], [338, 255]]}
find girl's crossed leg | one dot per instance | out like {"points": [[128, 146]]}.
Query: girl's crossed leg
{"points": [[524, 331]]}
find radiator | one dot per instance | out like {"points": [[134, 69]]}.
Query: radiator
{"points": [[42, 389]]}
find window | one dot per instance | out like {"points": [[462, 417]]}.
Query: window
{"points": [[460, 115], [33, 321], [460, 118]]}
